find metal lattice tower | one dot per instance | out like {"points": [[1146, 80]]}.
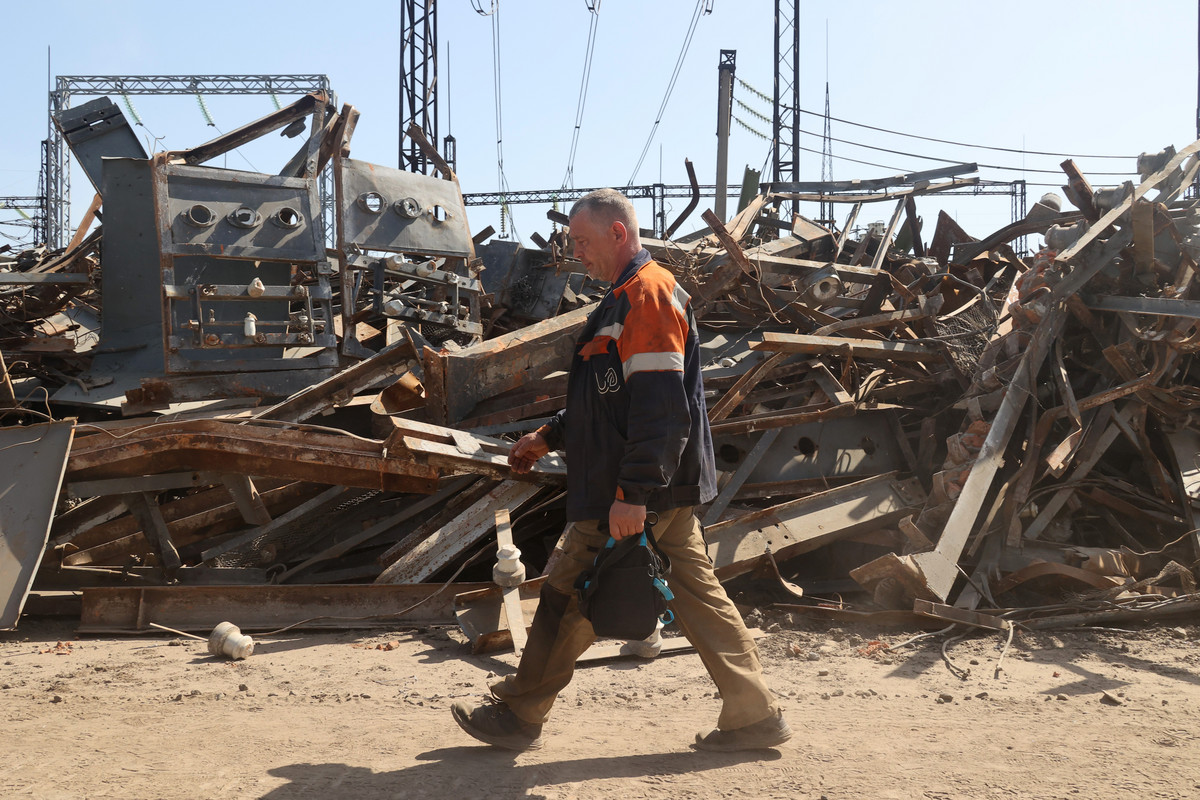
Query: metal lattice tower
{"points": [[57, 163], [418, 80], [785, 130]]}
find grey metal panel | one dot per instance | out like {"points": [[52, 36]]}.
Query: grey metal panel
{"points": [[833, 448], [96, 130], [417, 213], [131, 338], [35, 459], [202, 202], [129, 258]]}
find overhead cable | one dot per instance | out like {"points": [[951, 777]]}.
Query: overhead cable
{"points": [[954, 160], [593, 7], [756, 92], [702, 7]]}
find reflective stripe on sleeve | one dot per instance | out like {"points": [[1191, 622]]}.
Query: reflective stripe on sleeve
{"points": [[680, 299], [653, 362], [613, 331]]}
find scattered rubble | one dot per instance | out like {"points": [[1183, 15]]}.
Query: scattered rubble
{"points": [[286, 408]]}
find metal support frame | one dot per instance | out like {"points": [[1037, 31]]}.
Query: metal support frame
{"points": [[418, 80], [726, 70], [1018, 212], [785, 127], [19, 204], [57, 157]]}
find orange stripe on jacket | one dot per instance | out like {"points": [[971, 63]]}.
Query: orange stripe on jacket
{"points": [[654, 323]]}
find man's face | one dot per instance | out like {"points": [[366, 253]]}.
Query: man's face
{"points": [[598, 246]]}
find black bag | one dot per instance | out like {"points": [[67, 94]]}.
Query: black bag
{"points": [[624, 593]]}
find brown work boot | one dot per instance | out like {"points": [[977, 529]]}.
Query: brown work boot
{"points": [[761, 735], [495, 723]]}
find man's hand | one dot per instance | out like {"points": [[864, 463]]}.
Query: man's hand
{"points": [[625, 519], [525, 453]]}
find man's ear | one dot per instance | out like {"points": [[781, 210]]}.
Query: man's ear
{"points": [[620, 233]]}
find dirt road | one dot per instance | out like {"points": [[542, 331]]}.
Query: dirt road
{"points": [[327, 715]]}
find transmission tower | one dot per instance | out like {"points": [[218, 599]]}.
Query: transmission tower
{"points": [[785, 130], [418, 80]]}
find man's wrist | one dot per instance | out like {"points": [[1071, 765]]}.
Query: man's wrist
{"points": [[634, 496]]}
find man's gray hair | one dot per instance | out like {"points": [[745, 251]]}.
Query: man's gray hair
{"points": [[608, 206]]}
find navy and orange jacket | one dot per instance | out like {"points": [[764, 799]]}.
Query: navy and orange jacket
{"points": [[635, 426]]}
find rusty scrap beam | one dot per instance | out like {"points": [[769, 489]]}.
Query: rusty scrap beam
{"points": [[427, 557], [340, 388], [789, 529], [265, 451], [857, 348], [456, 382], [264, 608], [226, 142]]}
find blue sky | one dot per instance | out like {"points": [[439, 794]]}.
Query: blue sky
{"points": [[1071, 77]]}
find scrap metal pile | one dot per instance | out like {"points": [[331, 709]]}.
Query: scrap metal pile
{"points": [[253, 393]]}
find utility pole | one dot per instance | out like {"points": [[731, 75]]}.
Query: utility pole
{"points": [[725, 73]]}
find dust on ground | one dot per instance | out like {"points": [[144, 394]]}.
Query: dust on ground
{"points": [[1084, 714]]}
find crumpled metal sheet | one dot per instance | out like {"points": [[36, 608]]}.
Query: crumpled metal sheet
{"points": [[35, 459]]}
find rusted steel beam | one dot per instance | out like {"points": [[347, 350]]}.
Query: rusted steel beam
{"points": [[887, 194], [264, 608], [858, 348], [437, 551], [789, 311], [789, 529], [914, 226], [456, 382], [144, 506], [465, 453], [340, 388], [226, 142], [190, 519], [385, 525], [1173, 178], [1079, 191], [939, 567], [317, 505], [744, 385], [780, 419], [261, 450]]}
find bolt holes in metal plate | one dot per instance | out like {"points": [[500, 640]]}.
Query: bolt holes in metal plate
{"points": [[287, 218], [408, 207], [245, 217], [200, 216], [372, 202]]}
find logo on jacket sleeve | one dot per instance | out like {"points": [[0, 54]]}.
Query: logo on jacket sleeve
{"points": [[608, 382]]}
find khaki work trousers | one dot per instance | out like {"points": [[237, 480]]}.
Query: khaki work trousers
{"points": [[560, 634]]}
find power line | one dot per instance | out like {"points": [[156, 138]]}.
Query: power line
{"points": [[756, 92], [962, 144], [594, 8], [702, 7], [952, 160]]}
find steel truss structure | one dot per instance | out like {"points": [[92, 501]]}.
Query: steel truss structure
{"points": [[418, 81], [57, 157], [785, 126], [658, 193]]}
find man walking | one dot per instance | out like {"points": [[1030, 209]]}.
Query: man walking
{"points": [[635, 432]]}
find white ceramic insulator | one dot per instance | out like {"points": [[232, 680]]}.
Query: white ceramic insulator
{"points": [[509, 571]]}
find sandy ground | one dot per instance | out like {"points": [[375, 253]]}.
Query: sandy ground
{"points": [[325, 715]]}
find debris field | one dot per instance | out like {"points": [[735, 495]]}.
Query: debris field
{"points": [[287, 399]]}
